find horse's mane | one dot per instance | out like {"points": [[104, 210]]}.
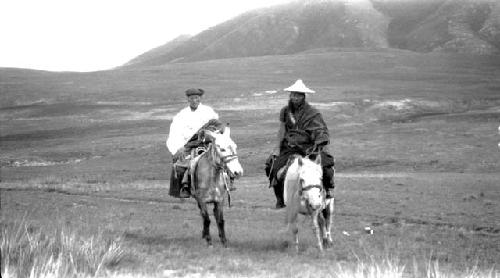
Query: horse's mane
{"points": [[208, 154]]}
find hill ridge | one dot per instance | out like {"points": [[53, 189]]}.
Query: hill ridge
{"points": [[462, 26]]}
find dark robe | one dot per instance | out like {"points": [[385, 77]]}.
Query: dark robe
{"points": [[304, 130]]}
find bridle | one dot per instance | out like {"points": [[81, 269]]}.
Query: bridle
{"points": [[306, 188], [224, 159], [228, 158], [221, 167]]}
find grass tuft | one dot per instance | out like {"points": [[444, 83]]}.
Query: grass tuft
{"points": [[28, 251]]}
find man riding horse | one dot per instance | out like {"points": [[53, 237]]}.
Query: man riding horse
{"points": [[184, 139], [302, 131]]}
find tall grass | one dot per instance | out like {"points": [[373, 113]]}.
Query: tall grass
{"points": [[28, 251], [392, 269], [390, 261]]}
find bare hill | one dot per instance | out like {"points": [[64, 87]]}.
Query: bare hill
{"points": [[464, 26], [160, 50]]}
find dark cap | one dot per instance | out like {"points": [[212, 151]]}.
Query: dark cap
{"points": [[193, 91]]}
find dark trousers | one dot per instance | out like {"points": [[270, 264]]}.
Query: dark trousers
{"points": [[175, 182]]}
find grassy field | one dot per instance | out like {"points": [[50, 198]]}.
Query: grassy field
{"points": [[414, 136]]}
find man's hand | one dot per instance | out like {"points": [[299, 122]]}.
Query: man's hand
{"points": [[319, 148]]}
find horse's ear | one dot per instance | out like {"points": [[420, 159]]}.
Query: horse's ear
{"points": [[300, 161], [209, 135], [227, 131]]}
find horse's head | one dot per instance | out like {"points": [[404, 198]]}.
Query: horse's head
{"points": [[225, 149], [310, 175]]}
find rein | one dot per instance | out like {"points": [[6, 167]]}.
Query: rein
{"points": [[228, 158], [221, 168]]}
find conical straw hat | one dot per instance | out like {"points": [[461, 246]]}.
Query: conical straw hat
{"points": [[299, 86]]}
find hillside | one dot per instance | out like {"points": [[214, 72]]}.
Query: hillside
{"points": [[387, 111], [160, 50], [463, 26]]}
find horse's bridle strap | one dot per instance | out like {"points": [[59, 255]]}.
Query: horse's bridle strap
{"points": [[224, 159], [305, 188], [228, 158]]}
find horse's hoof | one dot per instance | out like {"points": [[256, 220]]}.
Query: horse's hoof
{"points": [[327, 243], [184, 193], [279, 205], [284, 245]]}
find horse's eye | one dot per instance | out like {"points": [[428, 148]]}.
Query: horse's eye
{"points": [[222, 149]]}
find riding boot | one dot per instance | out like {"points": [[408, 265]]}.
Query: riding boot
{"points": [[278, 191]]}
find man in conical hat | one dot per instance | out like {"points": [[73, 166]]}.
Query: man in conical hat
{"points": [[302, 131]]}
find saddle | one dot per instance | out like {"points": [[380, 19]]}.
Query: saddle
{"points": [[280, 173], [187, 163]]}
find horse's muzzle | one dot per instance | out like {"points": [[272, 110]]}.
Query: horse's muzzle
{"points": [[235, 169], [315, 206]]}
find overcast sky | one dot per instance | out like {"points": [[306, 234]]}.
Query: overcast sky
{"points": [[88, 35]]}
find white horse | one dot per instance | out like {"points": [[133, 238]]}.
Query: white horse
{"points": [[304, 194]]}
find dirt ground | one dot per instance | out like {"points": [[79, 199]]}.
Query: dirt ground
{"points": [[447, 216]]}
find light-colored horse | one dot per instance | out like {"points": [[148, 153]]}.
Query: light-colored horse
{"points": [[304, 194], [211, 176]]}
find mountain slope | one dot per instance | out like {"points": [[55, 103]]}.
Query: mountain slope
{"points": [[464, 26], [159, 51]]}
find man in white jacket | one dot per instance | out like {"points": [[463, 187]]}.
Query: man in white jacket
{"points": [[184, 126]]}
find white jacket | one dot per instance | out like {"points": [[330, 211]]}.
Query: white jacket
{"points": [[186, 123]]}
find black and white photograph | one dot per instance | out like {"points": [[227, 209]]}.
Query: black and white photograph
{"points": [[250, 138]]}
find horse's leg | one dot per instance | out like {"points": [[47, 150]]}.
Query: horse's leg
{"points": [[321, 225], [294, 232], [206, 222], [323, 228], [328, 214], [219, 218], [316, 228], [292, 212]]}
